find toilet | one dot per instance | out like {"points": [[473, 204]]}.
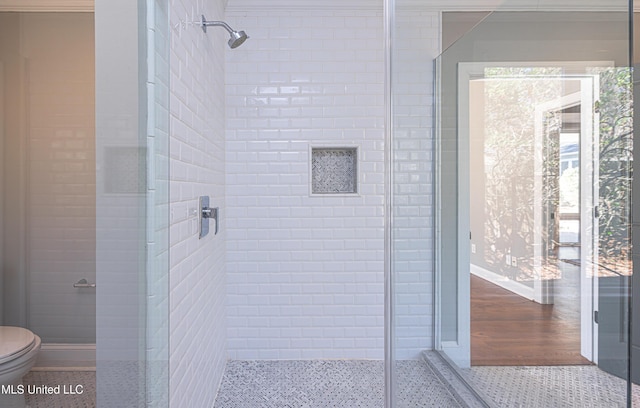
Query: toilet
{"points": [[19, 349]]}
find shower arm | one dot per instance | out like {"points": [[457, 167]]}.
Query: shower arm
{"points": [[206, 24]]}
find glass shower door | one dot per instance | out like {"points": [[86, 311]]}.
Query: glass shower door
{"points": [[60, 193], [132, 205], [49, 179], [534, 197], [84, 191]]}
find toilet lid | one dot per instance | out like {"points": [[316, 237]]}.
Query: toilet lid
{"points": [[13, 341]]}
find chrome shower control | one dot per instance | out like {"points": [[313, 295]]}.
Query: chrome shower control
{"points": [[207, 213]]}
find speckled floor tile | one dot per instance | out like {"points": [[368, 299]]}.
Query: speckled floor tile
{"points": [[327, 383], [558, 387], [71, 389]]}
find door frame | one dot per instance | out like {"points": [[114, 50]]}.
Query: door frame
{"points": [[459, 351], [589, 140]]}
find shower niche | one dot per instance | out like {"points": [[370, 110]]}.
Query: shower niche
{"points": [[334, 170]]}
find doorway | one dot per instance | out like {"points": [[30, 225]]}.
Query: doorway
{"points": [[536, 271], [526, 183], [536, 243]]}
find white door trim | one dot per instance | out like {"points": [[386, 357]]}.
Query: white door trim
{"points": [[589, 89]]}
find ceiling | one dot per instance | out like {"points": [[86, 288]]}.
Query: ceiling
{"points": [[439, 5], [445, 5]]}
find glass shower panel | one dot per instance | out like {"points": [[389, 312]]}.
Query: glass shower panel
{"points": [[132, 217], [48, 217], [84, 192], [157, 235], [533, 177], [413, 34]]}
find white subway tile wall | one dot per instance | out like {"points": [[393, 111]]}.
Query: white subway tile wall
{"points": [[197, 266], [304, 274]]}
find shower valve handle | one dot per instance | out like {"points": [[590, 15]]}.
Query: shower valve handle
{"points": [[207, 213], [210, 212]]}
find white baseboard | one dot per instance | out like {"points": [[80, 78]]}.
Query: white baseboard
{"points": [[66, 357], [503, 282]]}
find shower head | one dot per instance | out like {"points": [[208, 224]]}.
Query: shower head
{"points": [[237, 37]]}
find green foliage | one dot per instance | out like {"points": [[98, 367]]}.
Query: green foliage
{"points": [[615, 110], [510, 153]]}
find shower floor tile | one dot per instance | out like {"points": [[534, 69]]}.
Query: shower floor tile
{"points": [[327, 383], [85, 381], [545, 386]]}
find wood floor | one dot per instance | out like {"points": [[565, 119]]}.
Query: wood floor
{"points": [[507, 329]]}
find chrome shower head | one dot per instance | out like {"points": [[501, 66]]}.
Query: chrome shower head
{"points": [[237, 37]]}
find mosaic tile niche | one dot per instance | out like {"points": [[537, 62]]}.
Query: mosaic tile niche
{"points": [[334, 170]]}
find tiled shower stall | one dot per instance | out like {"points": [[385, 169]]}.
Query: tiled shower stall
{"points": [[335, 146], [293, 275]]}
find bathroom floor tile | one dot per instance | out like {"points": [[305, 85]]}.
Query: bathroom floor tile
{"points": [[71, 389], [545, 386], [327, 383]]}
